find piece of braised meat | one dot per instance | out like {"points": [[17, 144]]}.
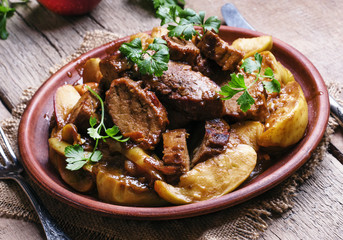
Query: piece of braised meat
{"points": [[137, 112], [215, 141], [85, 108], [185, 51], [113, 67], [182, 50], [215, 48], [187, 91], [175, 151], [258, 110]]}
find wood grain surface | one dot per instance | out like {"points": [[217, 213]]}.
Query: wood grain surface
{"points": [[39, 40]]}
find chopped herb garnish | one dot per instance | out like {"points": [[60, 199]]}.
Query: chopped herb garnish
{"points": [[6, 11], [153, 61], [182, 21], [237, 83], [168, 3]]}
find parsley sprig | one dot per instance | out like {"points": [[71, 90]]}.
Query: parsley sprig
{"points": [[178, 3], [153, 60], [7, 10], [237, 83], [75, 155], [182, 21]]}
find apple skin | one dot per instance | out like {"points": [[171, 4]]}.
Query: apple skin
{"points": [[70, 7]]}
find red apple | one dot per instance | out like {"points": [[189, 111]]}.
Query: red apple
{"points": [[70, 7]]}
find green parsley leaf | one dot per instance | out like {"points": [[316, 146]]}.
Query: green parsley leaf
{"points": [[75, 157], [228, 92], [258, 58], [93, 133], [269, 72], [132, 50], [167, 14], [237, 83], [250, 65], [212, 23], [92, 121], [161, 3], [272, 86], [112, 131], [75, 165], [245, 101], [182, 22], [74, 153], [185, 30], [6, 11], [96, 157], [154, 60], [190, 16]]}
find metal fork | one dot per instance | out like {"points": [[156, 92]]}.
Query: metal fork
{"points": [[12, 170]]}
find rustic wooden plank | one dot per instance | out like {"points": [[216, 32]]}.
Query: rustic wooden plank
{"points": [[16, 229], [318, 208], [45, 38], [134, 16]]}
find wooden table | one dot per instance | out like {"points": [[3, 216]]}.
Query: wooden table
{"points": [[39, 40]]}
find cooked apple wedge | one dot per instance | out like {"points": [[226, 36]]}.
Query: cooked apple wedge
{"points": [[65, 98], [116, 187], [246, 133], [280, 72], [250, 46], [288, 120], [81, 180], [212, 178], [91, 71]]}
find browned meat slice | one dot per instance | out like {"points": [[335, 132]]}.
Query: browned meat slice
{"points": [[213, 47], [84, 109], [111, 68], [188, 92], [177, 119], [206, 66], [182, 50], [186, 51], [258, 110], [137, 112], [175, 150], [215, 140]]}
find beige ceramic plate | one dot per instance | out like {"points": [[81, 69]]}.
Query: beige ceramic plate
{"points": [[34, 132]]}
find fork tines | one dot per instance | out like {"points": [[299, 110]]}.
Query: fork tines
{"points": [[9, 148]]}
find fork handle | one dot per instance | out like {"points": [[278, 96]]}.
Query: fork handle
{"points": [[51, 229]]}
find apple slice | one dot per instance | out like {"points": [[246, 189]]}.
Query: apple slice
{"points": [[212, 178], [91, 71], [65, 99], [250, 46], [288, 118]]}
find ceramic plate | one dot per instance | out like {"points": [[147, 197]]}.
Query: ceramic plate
{"points": [[34, 133]]}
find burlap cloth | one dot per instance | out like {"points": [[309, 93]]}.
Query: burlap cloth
{"points": [[245, 221]]}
